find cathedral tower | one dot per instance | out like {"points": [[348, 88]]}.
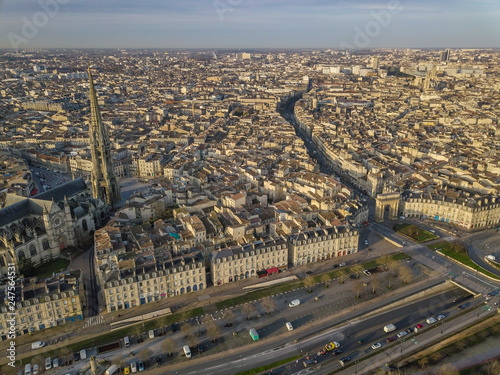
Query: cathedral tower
{"points": [[104, 183]]}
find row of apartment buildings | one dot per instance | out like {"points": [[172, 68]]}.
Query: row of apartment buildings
{"points": [[131, 277]]}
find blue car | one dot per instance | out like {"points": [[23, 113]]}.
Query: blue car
{"points": [[140, 366]]}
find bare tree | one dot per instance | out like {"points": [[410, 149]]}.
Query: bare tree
{"points": [[192, 340], [213, 332], [326, 279], [38, 360], [342, 274], [65, 352], [492, 368], [269, 305], [384, 261], [145, 354], [187, 329], [357, 268], [357, 288], [405, 274], [168, 346], [435, 357], [207, 319], [229, 315], [308, 283], [137, 330], [375, 283], [248, 310], [164, 321], [447, 369], [423, 362]]}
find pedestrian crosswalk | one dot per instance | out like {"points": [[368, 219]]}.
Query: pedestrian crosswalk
{"points": [[94, 320]]}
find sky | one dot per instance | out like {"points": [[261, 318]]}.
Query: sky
{"points": [[357, 24]]}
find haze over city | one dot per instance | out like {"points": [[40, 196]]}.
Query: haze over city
{"points": [[251, 23]]}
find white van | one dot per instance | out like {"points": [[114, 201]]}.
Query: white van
{"points": [[83, 354], [27, 369], [151, 334], [133, 367], [37, 345], [111, 370], [289, 326], [294, 303], [187, 351], [126, 341]]}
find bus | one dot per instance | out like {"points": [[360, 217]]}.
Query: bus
{"points": [[254, 334]]}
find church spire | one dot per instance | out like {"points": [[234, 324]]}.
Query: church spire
{"points": [[104, 183]]}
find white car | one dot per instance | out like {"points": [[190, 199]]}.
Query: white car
{"points": [[440, 317], [376, 345], [431, 320], [402, 334], [402, 217], [366, 242]]}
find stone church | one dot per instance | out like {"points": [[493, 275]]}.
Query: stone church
{"points": [[40, 227]]}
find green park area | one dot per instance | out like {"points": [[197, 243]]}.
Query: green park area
{"points": [[459, 253], [418, 234]]}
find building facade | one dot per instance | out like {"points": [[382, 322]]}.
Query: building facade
{"points": [[241, 262], [42, 304], [470, 213], [133, 287], [322, 243]]}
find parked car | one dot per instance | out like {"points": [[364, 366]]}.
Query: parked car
{"points": [[440, 317], [174, 327], [200, 348], [431, 320], [361, 341], [55, 363], [366, 242], [228, 325], [140, 366], [126, 370], [377, 345], [402, 334], [391, 339]]}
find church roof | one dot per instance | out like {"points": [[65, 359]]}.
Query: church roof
{"points": [[17, 207], [68, 189]]}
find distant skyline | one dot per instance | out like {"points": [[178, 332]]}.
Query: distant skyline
{"points": [[249, 24]]}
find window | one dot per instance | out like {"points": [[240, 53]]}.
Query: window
{"points": [[45, 244]]}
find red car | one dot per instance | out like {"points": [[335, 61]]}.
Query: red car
{"points": [[391, 339], [418, 327]]}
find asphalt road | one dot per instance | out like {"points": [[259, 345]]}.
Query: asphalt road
{"points": [[316, 337]]}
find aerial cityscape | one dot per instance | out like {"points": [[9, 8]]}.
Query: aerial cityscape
{"points": [[220, 188]]}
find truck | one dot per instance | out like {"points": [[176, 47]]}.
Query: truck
{"points": [[333, 345], [389, 328], [254, 334]]}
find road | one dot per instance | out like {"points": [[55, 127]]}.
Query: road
{"points": [[346, 330]]}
